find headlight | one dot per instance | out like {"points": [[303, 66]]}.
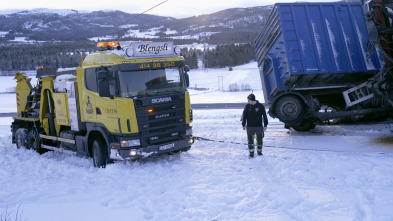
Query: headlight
{"points": [[177, 50], [129, 52], [130, 143], [133, 153]]}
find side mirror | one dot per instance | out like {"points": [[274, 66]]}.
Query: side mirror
{"points": [[103, 88], [186, 69], [187, 78], [102, 74], [103, 82]]}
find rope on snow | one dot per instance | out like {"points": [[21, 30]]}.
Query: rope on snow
{"points": [[277, 147]]}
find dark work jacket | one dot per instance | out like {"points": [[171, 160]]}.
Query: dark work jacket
{"points": [[253, 115]]}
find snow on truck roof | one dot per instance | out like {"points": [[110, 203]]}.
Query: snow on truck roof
{"points": [[110, 52]]}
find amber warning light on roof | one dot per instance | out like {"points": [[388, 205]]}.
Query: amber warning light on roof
{"points": [[106, 44]]}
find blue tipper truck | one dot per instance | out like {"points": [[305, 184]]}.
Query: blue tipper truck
{"points": [[327, 61]]}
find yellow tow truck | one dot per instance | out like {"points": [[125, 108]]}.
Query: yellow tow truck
{"points": [[122, 103]]}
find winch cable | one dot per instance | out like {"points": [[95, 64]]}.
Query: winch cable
{"points": [[281, 147], [275, 147], [146, 11], [139, 14]]}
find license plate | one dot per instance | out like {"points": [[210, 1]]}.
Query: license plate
{"points": [[166, 146]]}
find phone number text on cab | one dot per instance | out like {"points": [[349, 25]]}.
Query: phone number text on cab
{"points": [[157, 65]]}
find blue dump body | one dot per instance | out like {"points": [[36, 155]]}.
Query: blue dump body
{"points": [[307, 46]]}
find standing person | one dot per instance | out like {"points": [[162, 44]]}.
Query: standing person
{"points": [[254, 114]]}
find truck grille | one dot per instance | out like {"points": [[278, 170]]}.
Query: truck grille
{"points": [[160, 123]]}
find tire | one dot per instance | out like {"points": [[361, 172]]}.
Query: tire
{"points": [[306, 125], [290, 110], [100, 155], [34, 142], [21, 138]]}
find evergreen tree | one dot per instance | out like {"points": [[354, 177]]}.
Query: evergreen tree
{"points": [[228, 55]]}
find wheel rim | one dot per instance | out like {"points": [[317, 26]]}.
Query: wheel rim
{"points": [[289, 109]]}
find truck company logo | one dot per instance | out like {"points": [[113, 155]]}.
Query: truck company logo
{"points": [[143, 48], [162, 116], [154, 49], [161, 100], [89, 106]]}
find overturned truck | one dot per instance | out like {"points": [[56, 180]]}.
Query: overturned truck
{"points": [[324, 62]]}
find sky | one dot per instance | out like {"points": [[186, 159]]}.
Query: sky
{"points": [[171, 8]]}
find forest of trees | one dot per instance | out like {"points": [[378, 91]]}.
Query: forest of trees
{"points": [[228, 56], [19, 57], [31, 56]]}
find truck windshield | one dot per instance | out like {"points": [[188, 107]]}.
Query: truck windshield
{"points": [[150, 82]]}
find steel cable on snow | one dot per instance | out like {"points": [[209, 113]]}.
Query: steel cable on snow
{"points": [[278, 147]]}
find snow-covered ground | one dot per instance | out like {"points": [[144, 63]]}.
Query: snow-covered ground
{"points": [[334, 172], [217, 81]]}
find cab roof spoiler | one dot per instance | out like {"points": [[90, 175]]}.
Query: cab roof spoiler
{"points": [[51, 72]]}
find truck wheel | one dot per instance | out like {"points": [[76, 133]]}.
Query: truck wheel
{"points": [[21, 138], [34, 142], [290, 110], [100, 156], [306, 125]]}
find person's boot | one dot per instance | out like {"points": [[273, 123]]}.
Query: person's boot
{"points": [[259, 150], [251, 151]]}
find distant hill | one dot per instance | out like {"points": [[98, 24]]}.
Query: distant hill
{"points": [[236, 25]]}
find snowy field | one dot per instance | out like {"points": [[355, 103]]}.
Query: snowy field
{"points": [[334, 172]]}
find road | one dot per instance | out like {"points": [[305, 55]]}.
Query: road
{"points": [[218, 106], [193, 106]]}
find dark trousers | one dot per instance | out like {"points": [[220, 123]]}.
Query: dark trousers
{"points": [[258, 131]]}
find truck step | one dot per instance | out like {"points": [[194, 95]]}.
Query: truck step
{"points": [[61, 150], [357, 94], [57, 139]]}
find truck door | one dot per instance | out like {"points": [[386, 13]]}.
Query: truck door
{"points": [[106, 104], [88, 96]]}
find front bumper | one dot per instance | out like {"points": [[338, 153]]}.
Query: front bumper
{"points": [[136, 153]]}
